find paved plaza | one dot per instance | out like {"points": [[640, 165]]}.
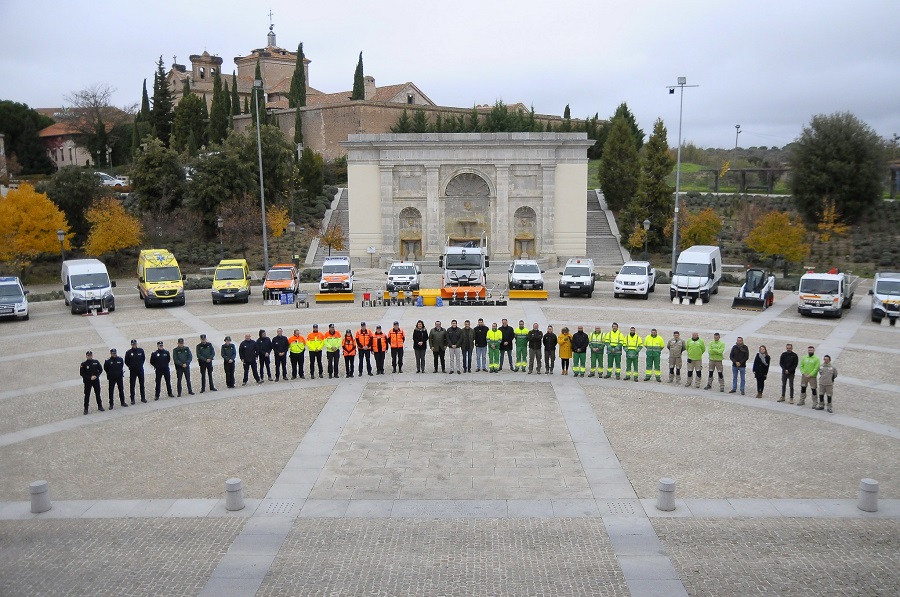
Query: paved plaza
{"points": [[473, 484]]}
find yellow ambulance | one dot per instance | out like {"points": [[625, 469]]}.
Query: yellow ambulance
{"points": [[160, 281]]}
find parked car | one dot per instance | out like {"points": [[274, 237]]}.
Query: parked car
{"points": [[13, 299], [111, 181], [281, 277], [402, 275], [525, 274], [635, 277]]}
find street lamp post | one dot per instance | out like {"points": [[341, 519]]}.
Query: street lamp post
{"points": [[258, 92], [61, 235], [737, 131], [220, 223], [293, 228], [682, 83], [646, 237]]}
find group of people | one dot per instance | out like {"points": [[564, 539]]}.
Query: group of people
{"points": [[535, 351]]}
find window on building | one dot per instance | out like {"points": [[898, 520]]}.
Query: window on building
{"points": [[212, 72], [202, 73], [70, 154], [409, 98]]}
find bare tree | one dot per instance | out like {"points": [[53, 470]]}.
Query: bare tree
{"points": [[92, 116]]}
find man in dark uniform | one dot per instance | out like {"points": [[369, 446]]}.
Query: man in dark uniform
{"points": [[160, 360], [206, 352], [134, 360], [182, 358], [248, 353], [228, 352], [506, 343], [90, 373], [114, 367], [280, 348], [264, 351]]}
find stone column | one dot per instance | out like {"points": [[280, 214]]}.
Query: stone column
{"points": [[389, 224], [501, 222], [433, 225], [547, 246]]}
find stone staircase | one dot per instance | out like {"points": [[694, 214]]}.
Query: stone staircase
{"points": [[340, 216], [602, 245]]}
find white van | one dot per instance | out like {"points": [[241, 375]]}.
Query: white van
{"points": [[403, 275], [578, 277], [697, 273], [337, 276], [86, 286]]}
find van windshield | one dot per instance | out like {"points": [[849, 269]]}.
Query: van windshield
{"points": [[576, 271], [891, 287], [633, 270], [337, 268], [527, 268], [87, 281], [10, 291], [279, 274], [819, 286], [692, 269], [163, 274], [403, 270], [460, 261], [230, 273]]}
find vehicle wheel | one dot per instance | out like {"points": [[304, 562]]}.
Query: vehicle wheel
{"points": [[876, 319], [615, 294], [247, 300], [590, 294], [561, 294], [113, 308], [653, 287], [66, 301], [705, 299], [646, 295], [26, 317], [146, 303], [215, 302], [74, 312], [715, 290]]}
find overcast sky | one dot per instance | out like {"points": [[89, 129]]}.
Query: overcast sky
{"points": [[766, 65]]}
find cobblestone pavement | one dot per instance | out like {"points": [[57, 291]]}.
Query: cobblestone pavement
{"points": [[445, 557], [716, 450], [858, 363], [789, 558], [111, 557]]}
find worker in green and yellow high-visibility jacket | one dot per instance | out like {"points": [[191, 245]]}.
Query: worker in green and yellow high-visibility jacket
{"points": [[654, 345], [614, 340]]}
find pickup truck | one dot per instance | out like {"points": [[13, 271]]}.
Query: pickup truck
{"points": [[637, 278]]}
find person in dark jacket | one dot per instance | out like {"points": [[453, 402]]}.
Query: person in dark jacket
{"points": [[467, 345], [90, 372], [228, 353], [420, 345], [280, 348], [264, 353], [580, 342], [761, 370], [739, 356], [549, 341], [535, 339], [454, 343], [182, 358], [159, 360], [134, 360], [437, 341], [788, 363], [206, 352], [481, 346], [507, 342], [114, 367], [248, 354]]}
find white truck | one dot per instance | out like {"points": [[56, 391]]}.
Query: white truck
{"points": [[465, 265], [403, 275], [886, 297], [635, 278], [337, 275], [578, 277], [697, 274], [525, 274], [826, 293]]}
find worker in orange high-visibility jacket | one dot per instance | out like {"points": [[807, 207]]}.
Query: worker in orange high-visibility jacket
{"points": [[396, 338], [349, 348], [379, 349]]}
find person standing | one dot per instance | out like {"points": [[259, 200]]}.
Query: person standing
{"points": [[467, 345], [494, 339], [739, 356], [182, 357], [654, 345], [331, 341], [565, 349], [761, 369], [580, 342], [437, 340], [379, 349], [633, 346], [264, 353], [248, 353], [364, 346], [695, 348], [206, 352], [615, 340], [420, 345], [827, 374], [596, 344], [229, 354], [521, 334], [134, 360], [454, 341], [396, 338], [349, 347], [535, 345], [788, 362], [315, 342], [296, 349], [809, 371], [160, 360], [114, 367], [549, 341], [481, 343], [90, 372], [676, 348], [716, 356], [280, 349], [506, 345]]}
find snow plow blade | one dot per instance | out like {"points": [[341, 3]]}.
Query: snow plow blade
{"points": [[748, 304]]}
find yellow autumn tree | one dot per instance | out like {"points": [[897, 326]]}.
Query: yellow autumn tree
{"points": [[702, 228], [830, 222], [28, 226], [333, 238], [112, 228], [277, 219], [637, 237], [776, 235]]}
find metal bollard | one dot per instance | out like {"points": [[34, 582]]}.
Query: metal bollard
{"points": [[40, 497], [665, 501], [868, 495], [234, 494]]}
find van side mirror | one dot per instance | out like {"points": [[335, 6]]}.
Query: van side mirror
{"points": [[66, 287], [487, 263], [183, 277], [560, 273], [113, 283], [27, 291], [542, 271], [441, 261], [385, 273], [871, 292]]}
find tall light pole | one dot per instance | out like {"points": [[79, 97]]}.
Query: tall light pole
{"points": [[61, 236], [646, 237], [682, 83], [737, 131], [220, 223], [258, 94], [293, 228]]}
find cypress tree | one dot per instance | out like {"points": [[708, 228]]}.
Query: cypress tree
{"points": [[235, 98], [144, 114], [654, 198], [258, 98], [403, 124], [246, 106], [420, 121], [218, 116], [136, 135], [620, 169], [227, 95], [162, 114], [297, 95], [298, 126], [472, 125], [186, 87], [359, 84]]}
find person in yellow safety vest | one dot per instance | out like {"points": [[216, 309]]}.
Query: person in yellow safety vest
{"points": [[315, 341], [296, 348], [332, 344], [654, 345], [595, 342], [521, 333], [633, 346], [494, 339], [614, 340]]}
